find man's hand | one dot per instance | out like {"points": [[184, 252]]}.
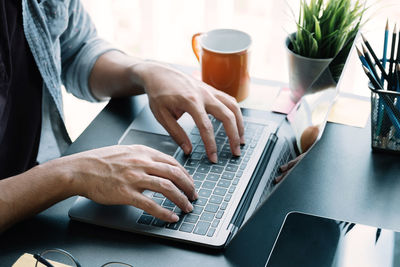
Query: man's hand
{"points": [[119, 175], [172, 93]]}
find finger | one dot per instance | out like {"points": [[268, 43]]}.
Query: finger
{"points": [[176, 175], [161, 157], [222, 113], [143, 202], [206, 130], [231, 103], [290, 164], [169, 190], [175, 130], [279, 178]]}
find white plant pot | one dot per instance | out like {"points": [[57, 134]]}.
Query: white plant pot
{"points": [[307, 75]]}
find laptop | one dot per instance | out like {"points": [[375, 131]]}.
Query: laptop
{"points": [[310, 240], [230, 191]]}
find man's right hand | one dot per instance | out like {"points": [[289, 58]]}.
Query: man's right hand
{"points": [[119, 175]]}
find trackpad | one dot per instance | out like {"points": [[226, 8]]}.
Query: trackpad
{"points": [[159, 142]]}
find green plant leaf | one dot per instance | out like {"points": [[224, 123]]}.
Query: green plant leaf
{"points": [[317, 29]]}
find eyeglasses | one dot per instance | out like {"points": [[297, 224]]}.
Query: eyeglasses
{"points": [[60, 258]]}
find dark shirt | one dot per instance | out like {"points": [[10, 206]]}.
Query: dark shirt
{"points": [[20, 94]]}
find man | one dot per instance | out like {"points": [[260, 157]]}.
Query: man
{"points": [[47, 43]]}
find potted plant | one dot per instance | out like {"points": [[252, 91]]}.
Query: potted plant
{"points": [[318, 49]]}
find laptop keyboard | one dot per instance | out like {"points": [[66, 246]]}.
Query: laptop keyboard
{"points": [[214, 183]]}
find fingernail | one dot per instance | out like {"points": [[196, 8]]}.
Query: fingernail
{"points": [[237, 150], [242, 140], [174, 217], [189, 207], [195, 196], [186, 148], [214, 158]]}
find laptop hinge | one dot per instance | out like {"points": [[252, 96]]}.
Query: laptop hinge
{"points": [[244, 203]]}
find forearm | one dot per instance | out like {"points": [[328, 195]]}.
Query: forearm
{"points": [[26, 194], [114, 75]]}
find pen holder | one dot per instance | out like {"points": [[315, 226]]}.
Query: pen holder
{"points": [[385, 120]]}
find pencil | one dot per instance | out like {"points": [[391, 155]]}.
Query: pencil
{"points": [[369, 61], [391, 76], [398, 49], [377, 62], [385, 42]]}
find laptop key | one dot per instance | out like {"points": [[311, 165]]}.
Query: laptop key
{"points": [[239, 173], [168, 203], [159, 195], [225, 155], [200, 201], [235, 181], [224, 205], [211, 232], [224, 183], [186, 227], [159, 223], [219, 141], [204, 193], [232, 189], [243, 166], [216, 199], [177, 210], [219, 214], [213, 176], [197, 210], [220, 191], [201, 228], [231, 168], [190, 170], [235, 160], [146, 219], [206, 216], [228, 197], [215, 223], [208, 185], [175, 226], [191, 218], [211, 208], [203, 169], [200, 149], [196, 156], [228, 175], [192, 163], [159, 201], [217, 169], [197, 184], [199, 176], [221, 162]]}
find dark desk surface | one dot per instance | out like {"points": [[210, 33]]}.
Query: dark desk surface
{"points": [[338, 178]]}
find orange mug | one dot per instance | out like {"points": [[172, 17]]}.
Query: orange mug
{"points": [[224, 58]]}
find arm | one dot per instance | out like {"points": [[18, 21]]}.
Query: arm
{"points": [[110, 175]]}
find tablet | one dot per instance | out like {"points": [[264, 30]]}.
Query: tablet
{"points": [[308, 240]]}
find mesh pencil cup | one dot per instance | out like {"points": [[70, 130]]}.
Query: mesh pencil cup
{"points": [[385, 120]]}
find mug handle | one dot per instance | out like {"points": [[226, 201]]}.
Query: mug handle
{"points": [[196, 46]]}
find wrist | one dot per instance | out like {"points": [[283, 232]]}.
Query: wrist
{"points": [[142, 72], [60, 173]]}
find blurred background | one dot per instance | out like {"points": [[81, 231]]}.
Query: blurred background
{"points": [[162, 30]]}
